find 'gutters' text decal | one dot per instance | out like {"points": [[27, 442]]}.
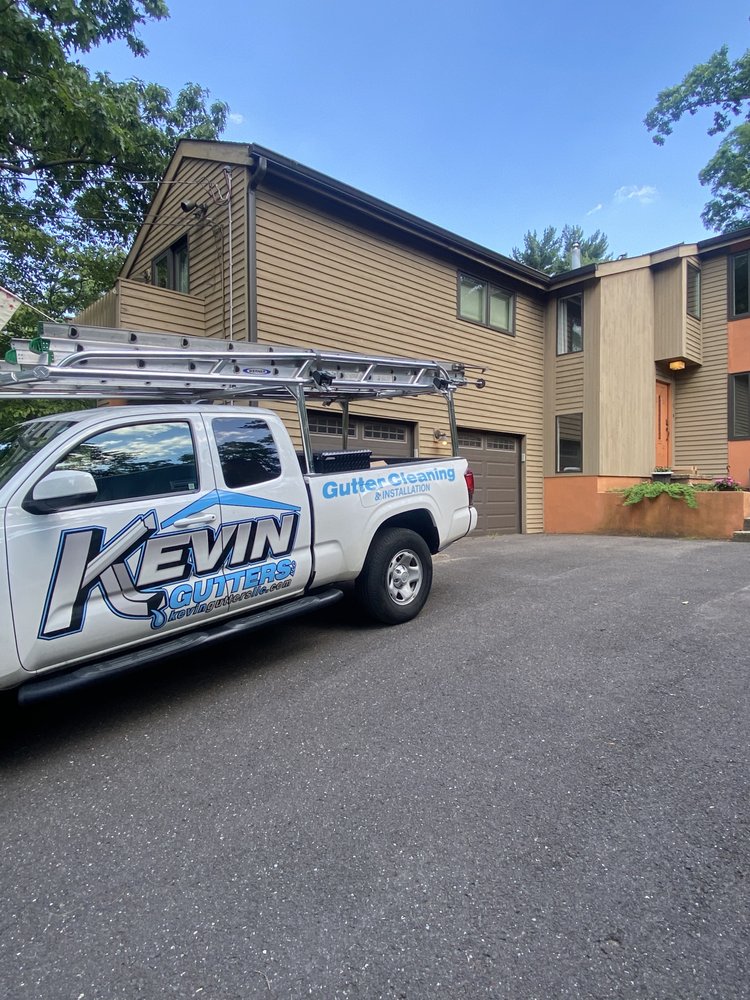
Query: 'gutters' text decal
{"points": [[142, 572]]}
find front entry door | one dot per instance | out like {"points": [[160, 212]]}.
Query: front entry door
{"points": [[663, 425]]}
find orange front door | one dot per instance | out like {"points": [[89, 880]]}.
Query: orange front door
{"points": [[663, 449]]}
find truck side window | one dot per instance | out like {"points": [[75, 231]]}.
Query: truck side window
{"points": [[138, 460], [247, 451]]}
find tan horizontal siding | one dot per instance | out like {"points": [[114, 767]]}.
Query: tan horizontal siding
{"points": [[204, 182], [144, 307], [694, 339], [700, 425], [569, 384], [324, 283]]}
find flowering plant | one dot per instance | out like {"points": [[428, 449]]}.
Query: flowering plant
{"points": [[726, 483]]}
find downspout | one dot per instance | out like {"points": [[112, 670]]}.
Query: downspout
{"points": [[228, 174], [257, 172]]}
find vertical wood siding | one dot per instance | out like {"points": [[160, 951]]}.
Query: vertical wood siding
{"points": [[700, 426], [626, 375], [204, 182], [327, 283], [669, 310], [103, 312]]}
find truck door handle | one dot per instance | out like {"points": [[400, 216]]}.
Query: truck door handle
{"points": [[191, 522]]}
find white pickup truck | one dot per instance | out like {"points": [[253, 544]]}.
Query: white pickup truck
{"points": [[128, 533]]}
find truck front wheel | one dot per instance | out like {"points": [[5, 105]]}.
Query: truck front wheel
{"points": [[396, 578]]}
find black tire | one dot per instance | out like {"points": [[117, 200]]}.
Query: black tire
{"points": [[396, 578]]}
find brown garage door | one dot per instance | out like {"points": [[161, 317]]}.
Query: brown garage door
{"points": [[384, 438], [495, 460]]}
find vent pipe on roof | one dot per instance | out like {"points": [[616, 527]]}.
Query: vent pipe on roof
{"points": [[575, 256]]}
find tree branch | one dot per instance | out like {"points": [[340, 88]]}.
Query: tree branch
{"points": [[44, 165]]}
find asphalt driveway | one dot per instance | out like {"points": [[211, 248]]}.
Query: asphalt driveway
{"points": [[538, 789]]}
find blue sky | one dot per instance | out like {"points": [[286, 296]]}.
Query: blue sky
{"points": [[486, 118]]}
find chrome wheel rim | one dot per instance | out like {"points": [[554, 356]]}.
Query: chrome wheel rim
{"points": [[404, 577]]}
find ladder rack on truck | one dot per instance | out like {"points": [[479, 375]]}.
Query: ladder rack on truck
{"points": [[78, 362]]}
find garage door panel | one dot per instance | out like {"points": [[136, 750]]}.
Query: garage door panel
{"points": [[384, 438], [497, 475]]}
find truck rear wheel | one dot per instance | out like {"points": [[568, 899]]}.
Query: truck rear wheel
{"points": [[396, 578]]}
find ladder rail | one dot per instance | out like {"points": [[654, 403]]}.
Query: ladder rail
{"points": [[80, 362]]}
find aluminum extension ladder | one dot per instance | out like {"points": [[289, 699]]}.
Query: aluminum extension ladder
{"points": [[101, 363], [79, 362]]}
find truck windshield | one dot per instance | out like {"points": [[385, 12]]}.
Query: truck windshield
{"points": [[20, 442]]}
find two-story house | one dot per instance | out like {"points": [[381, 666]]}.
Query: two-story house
{"points": [[593, 377]]}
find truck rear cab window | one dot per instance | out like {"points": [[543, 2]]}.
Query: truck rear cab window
{"points": [[247, 451], [137, 460]]}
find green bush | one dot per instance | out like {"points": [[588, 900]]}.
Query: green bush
{"points": [[650, 491]]}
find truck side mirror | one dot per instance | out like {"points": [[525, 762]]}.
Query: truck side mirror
{"points": [[60, 488]]}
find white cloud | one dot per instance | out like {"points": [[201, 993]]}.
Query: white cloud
{"points": [[644, 194], [236, 119], [596, 208]]}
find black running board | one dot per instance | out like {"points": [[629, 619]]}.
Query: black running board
{"points": [[188, 642]]}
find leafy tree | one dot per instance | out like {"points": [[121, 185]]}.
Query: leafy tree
{"points": [[552, 253], [80, 154], [15, 411], [722, 86]]}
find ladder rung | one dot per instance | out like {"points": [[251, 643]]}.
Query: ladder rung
{"points": [[76, 361]]}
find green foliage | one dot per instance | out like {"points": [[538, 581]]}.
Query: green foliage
{"points": [[650, 491], [552, 252], [80, 155], [722, 86], [15, 411]]}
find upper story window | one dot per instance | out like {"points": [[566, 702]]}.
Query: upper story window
{"points": [[570, 324], [481, 302], [170, 269], [740, 282], [693, 291]]}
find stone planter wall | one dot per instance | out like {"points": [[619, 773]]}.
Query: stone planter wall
{"points": [[585, 505]]}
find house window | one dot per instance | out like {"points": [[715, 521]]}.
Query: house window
{"points": [[693, 292], [170, 269], [484, 303], [739, 406], [570, 324], [740, 281], [570, 442]]}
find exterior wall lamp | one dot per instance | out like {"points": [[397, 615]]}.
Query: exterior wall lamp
{"points": [[440, 436], [677, 365], [198, 210]]}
